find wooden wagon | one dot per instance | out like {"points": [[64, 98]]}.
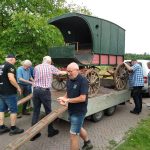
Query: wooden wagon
{"points": [[90, 42]]}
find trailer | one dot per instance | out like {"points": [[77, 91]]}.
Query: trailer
{"points": [[105, 102], [92, 42]]}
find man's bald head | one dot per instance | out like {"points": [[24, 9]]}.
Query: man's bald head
{"points": [[73, 70], [73, 66]]}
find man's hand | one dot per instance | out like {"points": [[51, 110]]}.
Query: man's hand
{"points": [[63, 100]]}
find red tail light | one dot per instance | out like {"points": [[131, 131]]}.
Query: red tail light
{"points": [[145, 79]]}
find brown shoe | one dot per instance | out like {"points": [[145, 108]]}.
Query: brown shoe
{"points": [[26, 113]]}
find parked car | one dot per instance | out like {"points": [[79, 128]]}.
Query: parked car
{"points": [[143, 63]]}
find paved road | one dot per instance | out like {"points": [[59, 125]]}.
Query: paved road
{"points": [[101, 133]]}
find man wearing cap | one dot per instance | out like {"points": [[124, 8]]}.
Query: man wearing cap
{"points": [[136, 82], [8, 95], [25, 81]]}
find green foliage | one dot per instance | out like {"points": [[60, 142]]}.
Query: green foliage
{"points": [[129, 56], [138, 139], [24, 28]]}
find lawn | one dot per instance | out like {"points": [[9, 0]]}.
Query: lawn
{"points": [[138, 138]]}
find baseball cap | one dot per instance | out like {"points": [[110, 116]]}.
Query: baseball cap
{"points": [[11, 56]]}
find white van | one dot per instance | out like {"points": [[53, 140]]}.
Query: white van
{"points": [[143, 63]]}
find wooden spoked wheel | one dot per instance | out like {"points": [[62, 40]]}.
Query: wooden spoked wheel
{"points": [[59, 83], [94, 82], [121, 77]]}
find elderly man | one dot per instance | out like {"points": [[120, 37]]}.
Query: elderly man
{"points": [[25, 81], [77, 99], [41, 92], [8, 95], [136, 82]]}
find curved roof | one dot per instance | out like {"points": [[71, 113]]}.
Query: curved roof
{"points": [[99, 35]]}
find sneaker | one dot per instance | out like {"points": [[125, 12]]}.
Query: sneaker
{"points": [[16, 131], [35, 137], [4, 129], [87, 145], [53, 133]]}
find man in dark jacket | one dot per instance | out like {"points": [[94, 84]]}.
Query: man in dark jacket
{"points": [[8, 95]]}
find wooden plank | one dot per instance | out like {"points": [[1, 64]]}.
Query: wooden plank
{"points": [[25, 99], [28, 134]]}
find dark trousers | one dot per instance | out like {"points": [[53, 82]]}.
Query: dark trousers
{"points": [[137, 97], [41, 96], [26, 90]]}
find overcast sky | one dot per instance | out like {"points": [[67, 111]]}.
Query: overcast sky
{"points": [[132, 15]]}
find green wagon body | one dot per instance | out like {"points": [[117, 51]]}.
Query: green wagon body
{"points": [[88, 40]]}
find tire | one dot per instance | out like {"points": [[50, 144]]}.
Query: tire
{"points": [[97, 116], [110, 111]]}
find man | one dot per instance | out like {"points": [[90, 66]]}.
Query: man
{"points": [[136, 82], [8, 95], [25, 81], [77, 99], [41, 92], [148, 65]]}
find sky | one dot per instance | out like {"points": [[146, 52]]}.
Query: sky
{"points": [[132, 15]]}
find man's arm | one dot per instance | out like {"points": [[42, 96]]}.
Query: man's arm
{"points": [[128, 67], [78, 99], [26, 81], [63, 72], [13, 81]]}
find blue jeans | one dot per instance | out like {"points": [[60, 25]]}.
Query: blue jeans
{"points": [[41, 96], [76, 121], [8, 101]]}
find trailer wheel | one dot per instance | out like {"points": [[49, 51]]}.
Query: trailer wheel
{"points": [[110, 111], [97, 116]]}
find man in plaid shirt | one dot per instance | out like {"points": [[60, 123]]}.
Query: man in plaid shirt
{"points": [[41, 92], [136, 83]]}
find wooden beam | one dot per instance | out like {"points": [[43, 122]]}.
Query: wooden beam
{"points": [[25, 99], [28, 134]]}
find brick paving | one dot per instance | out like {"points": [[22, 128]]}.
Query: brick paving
{"points": [[101, 133]]}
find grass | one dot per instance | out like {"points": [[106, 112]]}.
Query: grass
{"points": [[138, 138]]}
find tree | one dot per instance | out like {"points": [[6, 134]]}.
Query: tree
{"points": [[24, 28]]}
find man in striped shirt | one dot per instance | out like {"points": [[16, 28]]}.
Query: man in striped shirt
{"points": [[136, 83], [41, 92]]}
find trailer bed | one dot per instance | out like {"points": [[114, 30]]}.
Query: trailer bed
{"points": [[105, 99]]}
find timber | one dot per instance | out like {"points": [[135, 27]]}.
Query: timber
{"points": [[28, 134], [25, 99]]}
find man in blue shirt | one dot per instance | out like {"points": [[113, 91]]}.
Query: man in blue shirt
{"points": [[25, 81], [136, 82], [77, 98]]}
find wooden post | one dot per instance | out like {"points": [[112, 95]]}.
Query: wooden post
{"points": [[28, 134]]}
